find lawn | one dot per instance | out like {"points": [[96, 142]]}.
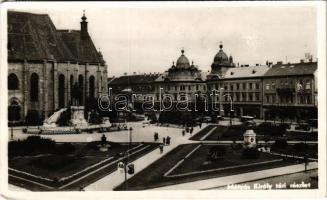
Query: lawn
{"points": [[55, 171], [198, 160], [57, 166], [310, 150], [154, 175], [202, 132], [235, 132]]}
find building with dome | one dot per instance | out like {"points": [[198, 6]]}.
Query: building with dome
{"points": [[221, 62], [261, 91], [182, 80], [49, 69]]}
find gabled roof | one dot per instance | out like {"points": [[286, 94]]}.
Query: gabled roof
{"points": [[82, 50], [305, 68], [134, 79], [34, 37], [245, 72]]}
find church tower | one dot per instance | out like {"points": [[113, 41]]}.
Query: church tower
{"points": [[84, 32]]}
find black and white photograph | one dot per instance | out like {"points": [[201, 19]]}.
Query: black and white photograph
{"points": [[164, 97]]}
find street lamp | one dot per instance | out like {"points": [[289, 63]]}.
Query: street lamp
{"points": [[231, 107], [128, 167]]}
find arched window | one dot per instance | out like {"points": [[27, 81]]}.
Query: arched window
{"points": [[13, 83], [71, 82], [61, 91], [91, 86], [34, 88], [14, 110], [81, 89], [80, 80]]}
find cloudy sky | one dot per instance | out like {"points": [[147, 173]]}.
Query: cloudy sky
{"points": [[149, 39]]}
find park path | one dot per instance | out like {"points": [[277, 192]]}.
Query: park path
{"points": [[143, 133], [238, 178], [116, 178]]}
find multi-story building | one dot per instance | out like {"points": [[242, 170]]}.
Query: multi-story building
{"points": [[261, 91], [49, 68], [181, 82], [242, 86], [290, 90]]}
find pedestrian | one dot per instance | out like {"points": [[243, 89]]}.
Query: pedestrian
{"points": [[200, 124], [156, 136], [191, 130], [164, 140], [168, 140], [183, 132], [161, 148]]}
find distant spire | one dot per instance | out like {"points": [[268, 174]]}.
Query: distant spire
{"points": [[182, 51], [84, 17], [221, 45]]}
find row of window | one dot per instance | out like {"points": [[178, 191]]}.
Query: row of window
{"points": [[236, 86], [185, 87], [289, 99], [301, 84], [13, 84]]}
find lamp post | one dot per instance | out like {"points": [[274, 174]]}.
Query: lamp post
{"points": [[128, 168], [231, 108]]}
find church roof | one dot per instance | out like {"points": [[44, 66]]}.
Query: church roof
{"points": [[34, 37], [82, 50]]}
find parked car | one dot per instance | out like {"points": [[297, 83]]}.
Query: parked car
{"points": [[313, 122], [207, 119], [303, 126], [246, 118], [250, 123], [220, 117]]}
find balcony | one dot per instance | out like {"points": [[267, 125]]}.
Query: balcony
{"points": [[285, 91]]}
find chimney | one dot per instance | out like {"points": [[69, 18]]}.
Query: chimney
{"points": [[84, 32]]}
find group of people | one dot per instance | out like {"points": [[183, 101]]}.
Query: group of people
{"points": [[188, 130], [165, 141]]}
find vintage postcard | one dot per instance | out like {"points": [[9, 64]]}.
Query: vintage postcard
{"points": [[160, 99]]}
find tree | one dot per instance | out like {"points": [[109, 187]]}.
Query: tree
{"points": [[251, 153], [217, 153]]}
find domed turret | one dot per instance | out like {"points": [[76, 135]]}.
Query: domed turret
{"points": [[183, 70], [182, 61], [221, 62], [221, 57]]}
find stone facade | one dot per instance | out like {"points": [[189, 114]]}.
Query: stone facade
{"points": [[46, 82]]}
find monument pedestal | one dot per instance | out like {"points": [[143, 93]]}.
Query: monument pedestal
{"points": [[77, 116]]}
